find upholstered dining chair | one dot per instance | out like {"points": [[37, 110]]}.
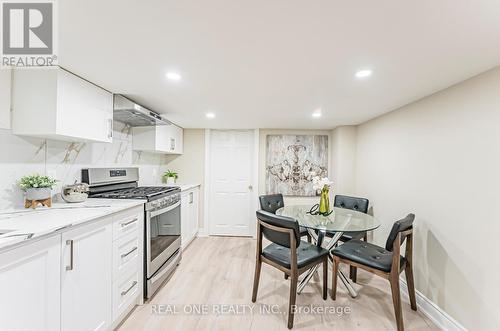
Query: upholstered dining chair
{"points": [[357, 204], [385, 262], [286, 253], [272, 202], [352, 203]]}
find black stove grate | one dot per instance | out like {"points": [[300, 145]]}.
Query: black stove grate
{"points": [[144, 192]]}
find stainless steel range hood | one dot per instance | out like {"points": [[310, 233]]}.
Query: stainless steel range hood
{"points": [[127, 111]]}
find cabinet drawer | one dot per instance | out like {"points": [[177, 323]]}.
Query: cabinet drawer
{"points": [[127, 223], [126, 254], [125, 292]]}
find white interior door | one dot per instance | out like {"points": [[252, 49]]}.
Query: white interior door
{"points": [[231, 182]]}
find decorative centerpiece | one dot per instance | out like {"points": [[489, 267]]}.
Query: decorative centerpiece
{"points": [[38, 190], [323, 186], [170, 177]]}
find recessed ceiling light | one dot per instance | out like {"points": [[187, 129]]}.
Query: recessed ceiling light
{"points": [[210, 115], [173, 76], [316, 113], [364, 73]]}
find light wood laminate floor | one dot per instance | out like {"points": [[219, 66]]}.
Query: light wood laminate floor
{"points": [[219, 270]]}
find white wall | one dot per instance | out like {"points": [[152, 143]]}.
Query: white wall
{"points": [[344, 160], [5, 97], [440, 159]]}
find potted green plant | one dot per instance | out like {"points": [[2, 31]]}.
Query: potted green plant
{"points": [[170, 177], [37, 187]]}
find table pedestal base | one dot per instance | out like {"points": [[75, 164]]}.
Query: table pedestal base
{"points": [[318, 239]]}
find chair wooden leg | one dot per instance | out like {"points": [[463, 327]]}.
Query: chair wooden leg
{"points": [[334, 277], [286, 276], [396, 299], [258, 265], [309, 240], [365, 237], [353, 273], [411, 286], [325, 278], [293, 296]]}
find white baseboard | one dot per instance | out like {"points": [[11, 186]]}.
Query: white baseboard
{"points": [[438, 316], [202, 232]]}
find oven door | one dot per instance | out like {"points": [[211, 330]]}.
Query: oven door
{"points": [[163, 236]]}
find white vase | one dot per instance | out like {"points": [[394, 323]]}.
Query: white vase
{"points": [[38, 193], [170, 181]]}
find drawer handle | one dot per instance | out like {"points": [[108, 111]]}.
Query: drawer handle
{"points": [[70, 243], [130, 288], [110, 128], [131, 251], [129, 222]]}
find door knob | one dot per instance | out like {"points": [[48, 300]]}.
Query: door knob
{"points": [[250, 187]]}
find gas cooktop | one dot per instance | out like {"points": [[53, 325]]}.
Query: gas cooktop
{"points": [[142, 192]]}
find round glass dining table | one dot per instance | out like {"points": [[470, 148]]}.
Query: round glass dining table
{"points": [[339, 221]]}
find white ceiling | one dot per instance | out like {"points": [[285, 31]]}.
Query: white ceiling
{"points": [[271, 63]]}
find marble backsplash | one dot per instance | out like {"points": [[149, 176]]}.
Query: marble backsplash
{"points": [[20, 156]]}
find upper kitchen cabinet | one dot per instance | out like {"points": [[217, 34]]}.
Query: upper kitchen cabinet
{"points": [[55, 104], [167, 139]]}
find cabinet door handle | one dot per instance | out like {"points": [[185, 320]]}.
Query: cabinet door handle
{"points": [[130, 288], [110, 124], [172, 144], [129, 222], [130, 252], [70, 243], [191, 199]]}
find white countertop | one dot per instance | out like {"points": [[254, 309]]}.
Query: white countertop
{"points": [[44, 221], [185, 187]]}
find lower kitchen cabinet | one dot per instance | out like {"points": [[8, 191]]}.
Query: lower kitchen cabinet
{"points": [[87, 278], [30, 286], [189, 215], [86, 302]]}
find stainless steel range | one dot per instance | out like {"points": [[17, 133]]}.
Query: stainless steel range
{"points": [[162, 242]]}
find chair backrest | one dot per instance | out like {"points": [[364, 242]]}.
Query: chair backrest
{"points": [[353, 203], [271, 203], [274, 224], [399, 226]]}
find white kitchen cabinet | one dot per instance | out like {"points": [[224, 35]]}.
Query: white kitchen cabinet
{"points": [[185, 223], [176, 139], [166, 139], [30, 286], [128, 261], [189, 215], [86, 277], [55, 104], [194, 210]]}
